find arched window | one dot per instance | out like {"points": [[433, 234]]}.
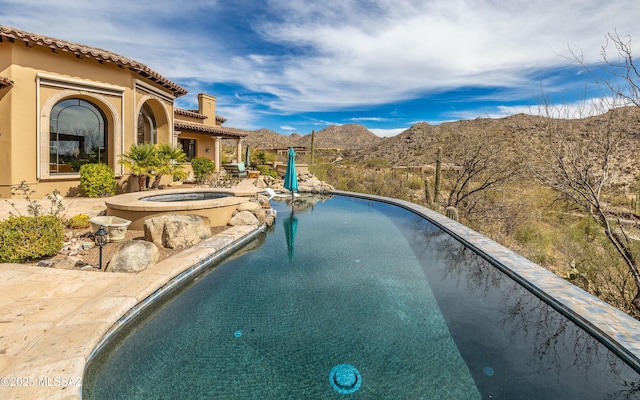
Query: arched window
{"points": [[147, 127], [78, 135]]}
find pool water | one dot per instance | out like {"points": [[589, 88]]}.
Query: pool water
{"points": [[164, 198], [352, 298]]}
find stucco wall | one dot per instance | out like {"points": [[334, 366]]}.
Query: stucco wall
{"points": [[41, 79]]}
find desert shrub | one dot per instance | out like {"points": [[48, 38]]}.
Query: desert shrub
{"points": [[202, 168], [97, 180], [415, 183], [261, 157], [25, 238], [34, 208], [79, 221], [267, 171]]}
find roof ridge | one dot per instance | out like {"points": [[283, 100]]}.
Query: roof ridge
{"points": [[99, 54], [189, 113]]}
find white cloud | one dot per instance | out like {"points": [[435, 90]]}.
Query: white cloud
{"points": [[372, 119], [339, 53], [287, 128], [575, 109], [418, 46]]}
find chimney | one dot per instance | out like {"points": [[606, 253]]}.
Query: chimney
{"points": [[207, 107]]}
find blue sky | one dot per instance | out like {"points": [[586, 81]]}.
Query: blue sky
{"points": [[297, 65]]}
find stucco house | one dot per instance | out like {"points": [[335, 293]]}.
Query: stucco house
{"points": [[63, 104]]}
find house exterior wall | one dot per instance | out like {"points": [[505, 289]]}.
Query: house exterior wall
{"points": [[41, 78], [203, 142]]}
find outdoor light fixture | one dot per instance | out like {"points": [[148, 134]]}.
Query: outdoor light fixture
{"points": [[206, 150], [101, 240]]}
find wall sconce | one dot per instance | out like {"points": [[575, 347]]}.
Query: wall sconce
{"points": [[101, 240], [206, 150]]}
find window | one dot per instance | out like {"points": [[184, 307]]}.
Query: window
{"points": [[78, 135], [189, 147], [147, 127]]}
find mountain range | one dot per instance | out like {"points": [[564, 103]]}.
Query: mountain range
{"points": [[417, 145]]}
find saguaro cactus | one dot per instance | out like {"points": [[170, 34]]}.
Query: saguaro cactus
{"points": [[436, 188], [452, 213], [427, 193], [313, 144]]}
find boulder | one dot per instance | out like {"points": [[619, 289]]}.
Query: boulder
{"points": [[176, 231], [261, 215], [134, 256], [249, 206], [244, 218], [260, 182], [313, 185]]}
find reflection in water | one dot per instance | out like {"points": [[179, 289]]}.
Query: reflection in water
{"points": [[290, 228], [498, 324], [374, 286]]}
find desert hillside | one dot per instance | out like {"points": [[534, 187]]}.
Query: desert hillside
{"points": [[347, 137], [417, 145]]}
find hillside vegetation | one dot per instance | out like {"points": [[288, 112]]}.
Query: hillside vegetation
{"points": [[492, 172]]}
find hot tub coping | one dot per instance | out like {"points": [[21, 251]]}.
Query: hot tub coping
{"points": [[134, 202]]}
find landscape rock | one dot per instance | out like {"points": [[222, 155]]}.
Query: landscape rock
{"points": [[314, 185], [260, 182], [263, 201], [249, 206], [176, 231], [134, 256], [64, 263], [261, 215], [244, 218]]}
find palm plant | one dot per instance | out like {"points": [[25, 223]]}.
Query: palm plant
{"points": [[141, 160], [169, 161]]}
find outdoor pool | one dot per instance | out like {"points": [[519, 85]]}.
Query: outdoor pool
{"points": [[354, 298]]}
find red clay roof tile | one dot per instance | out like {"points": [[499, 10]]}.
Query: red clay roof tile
{"points": [[56, 45]]}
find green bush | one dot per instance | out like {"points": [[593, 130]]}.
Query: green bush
{"points": [[79, 221], [29, 238], [97, 180], [267, 171], [202, 168]]}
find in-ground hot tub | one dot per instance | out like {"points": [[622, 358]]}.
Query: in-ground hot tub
{"points": [[218, 206]]}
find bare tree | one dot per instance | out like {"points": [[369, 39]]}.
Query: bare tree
{"points": [[480, 164], [577, 158], [617, 73]]}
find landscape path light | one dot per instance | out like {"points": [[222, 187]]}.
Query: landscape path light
{"points": [[101, 237]]}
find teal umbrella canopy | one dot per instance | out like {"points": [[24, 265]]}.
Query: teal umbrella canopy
{"points": [[290, 229], [291, 177]]}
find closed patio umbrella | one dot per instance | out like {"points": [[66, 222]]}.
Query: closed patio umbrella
{"points": [[290, 176], [247, 157]]}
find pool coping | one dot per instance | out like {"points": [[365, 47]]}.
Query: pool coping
{"points": [[615, 329], [135, 201], [49, 349]]}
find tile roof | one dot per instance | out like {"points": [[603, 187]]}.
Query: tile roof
{"points": [[189, 113], [4, 81], [213, 130], [196, 114], [103, 56]]}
